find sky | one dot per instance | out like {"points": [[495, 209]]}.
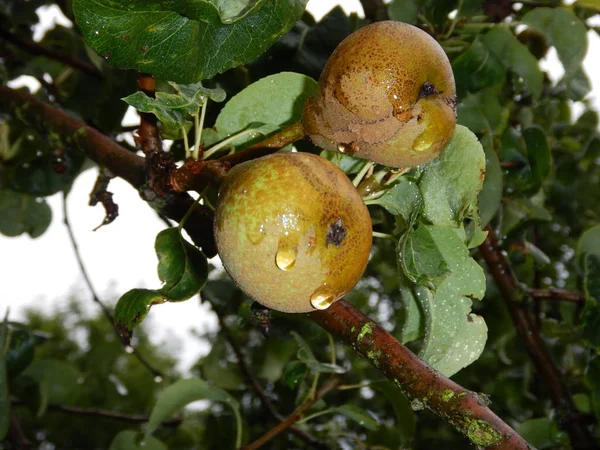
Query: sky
{"points": [[40, 273]]}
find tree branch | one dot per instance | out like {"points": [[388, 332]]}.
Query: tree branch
{"points": [[107, 153], [253, 382], [466, 411], [33, 48], [375, 10], [104, 413], [333, 382], [556, 294], [107, 313], [530, 337]]}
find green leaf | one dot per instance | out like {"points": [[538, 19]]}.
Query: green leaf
{"points": [[565, 31], [131, 440], [538, 153], [490, 196], [294, 373], [183, 42], [422, 261], [4, 394], [482, 112], [450, 183], [171, 118], [507, 49], [276, 100], [60, 378], [180, 394], [589, 242], [358, 415], [591, 287], [404, 11], [20, 352], [516, 211], [477, 68], [181, 267], [132, 308], [592, 4], [22, 213], [402, 199], [536, 432], [454, 337], [217, 369], [348, 164]]}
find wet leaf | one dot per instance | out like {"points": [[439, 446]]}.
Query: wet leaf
{"points": [[402, 199], [132, 308], [22, 213], [454, 337], [181, 267], [294, 373], [421, 259], [477, 68], [450, 183], [182, 393], [277, 100], [183, 42]]}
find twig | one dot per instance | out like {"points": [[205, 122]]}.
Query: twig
{"points": [[270, 145], [101, 195], [148, 136], [333, 382], [196, 175], [96, 412], [16, 435], [533, 342], [36, 49], [466, 411], [107, 313], [253, 382], [512, 164], [556, 294], [375, 10]]}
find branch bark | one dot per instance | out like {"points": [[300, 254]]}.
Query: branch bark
{"points": [[33, 48], [529, 333], [466, 411]]}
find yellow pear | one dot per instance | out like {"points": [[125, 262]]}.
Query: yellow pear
{"points": [[292, 231], [387, 94]]}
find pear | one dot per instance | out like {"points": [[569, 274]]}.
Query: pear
{"points": [[292, 231], [386, 94]]}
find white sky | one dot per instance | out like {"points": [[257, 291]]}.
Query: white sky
{"points": [[120, 256]]}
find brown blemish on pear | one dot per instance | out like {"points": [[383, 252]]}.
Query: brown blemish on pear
{"points": [[292, 231], [388, 92]]}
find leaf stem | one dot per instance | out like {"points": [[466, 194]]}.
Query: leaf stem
{"points": [[358, 178], [377, 234], [198, 124], [188, 213], [186, 143], [215, 148]]}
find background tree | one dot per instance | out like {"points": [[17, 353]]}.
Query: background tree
{"points": [[340, 377]]}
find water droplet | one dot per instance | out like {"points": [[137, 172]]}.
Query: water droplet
{"points": [[417, 405], [96, 32], [285, 258], [129, 349], [348, 149], [158, 379], [322, 298]]}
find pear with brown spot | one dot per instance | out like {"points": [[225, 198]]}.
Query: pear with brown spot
{"points": [[386, 94], [292, 231]]}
